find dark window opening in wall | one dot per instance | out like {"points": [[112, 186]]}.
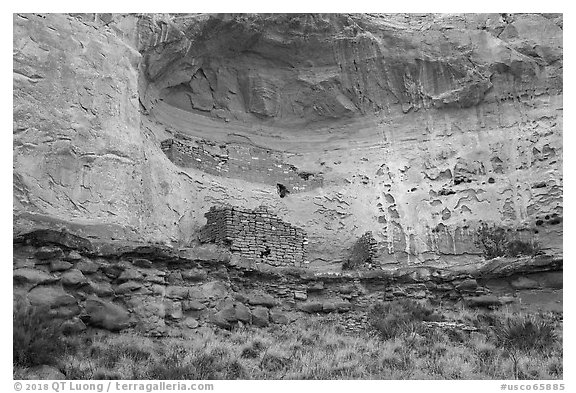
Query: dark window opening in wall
{"points": [[265, 253], [282, 190]]}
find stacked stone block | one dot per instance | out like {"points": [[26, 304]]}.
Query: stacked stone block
{"points": [[257, 234], [363, 252]]}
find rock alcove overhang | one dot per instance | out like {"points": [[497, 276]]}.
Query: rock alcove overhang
{"points": [[300, 74]]}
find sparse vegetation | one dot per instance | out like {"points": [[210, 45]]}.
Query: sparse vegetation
{"points": [[495, 242], [391, 319], [37, 336], [316, 348]]}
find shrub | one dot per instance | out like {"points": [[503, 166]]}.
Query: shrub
{"points": [[525, 333], [37, 336], [391, 319], [495, 242]]}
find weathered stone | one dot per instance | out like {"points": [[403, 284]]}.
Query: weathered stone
{"points": [[316, 287], [174, 310], [192, 305], [278, 317], [467, 285], [174, 278], [72, 326], [43, 373], [141, 262], [242, 313], [311, 307], [299, 295], [130, 275], [73, 277], [58, 265], [194, 275], [328, 307], [260, 316], [214, 290], [524, 283], [106, 315], [191, 323], [262, 299], [154, 278], [112, 271], [128, 287], [220, 319], [101, 289], [483, 301], [49, 252], [177, 292], [87, 266], [50, 296], [342, 306], [73, 256], [32, 276]]}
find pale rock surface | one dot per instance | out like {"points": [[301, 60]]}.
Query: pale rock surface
{"points": [[414, 127]]}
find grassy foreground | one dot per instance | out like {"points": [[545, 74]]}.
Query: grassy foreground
{"points": [[397, 345]]}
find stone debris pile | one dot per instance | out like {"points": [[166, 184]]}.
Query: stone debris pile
{"points": [[256, 234]]}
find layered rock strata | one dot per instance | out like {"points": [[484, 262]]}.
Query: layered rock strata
{"points": [[414, 127], [158, 290]]}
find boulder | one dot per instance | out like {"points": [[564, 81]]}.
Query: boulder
{"points": [[73, 256], [192, 305], [194, 275], [260, 317], [177, 292], [262, 299], [214, 290], [174, 310], [43, 373], [299, 295], [524, 283], [328, 307], [191, 323], [50, 296], [72, 326], [49, 252], [73, 277], [87, 266], [242, 313], [141, 262], [483, 301], [32, 276], [174, 278], [278, 317], [130, 275], [105, 314], [154, 278], [58, 265], [467, 285], [342, 306], [128, 287], [101, 289], [311, 307], [316, 287]]}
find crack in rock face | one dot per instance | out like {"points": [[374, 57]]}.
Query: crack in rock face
{"points": [[416, 128]]}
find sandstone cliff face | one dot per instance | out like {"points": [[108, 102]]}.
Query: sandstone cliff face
{"points": [[414, 127]]}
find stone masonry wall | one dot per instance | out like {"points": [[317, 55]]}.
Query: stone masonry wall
{"points": [[256, 234], [363, 253], [238, 161]]}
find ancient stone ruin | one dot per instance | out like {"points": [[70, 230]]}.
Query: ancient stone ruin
{"points": [[256, 234], [363, 253]]}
